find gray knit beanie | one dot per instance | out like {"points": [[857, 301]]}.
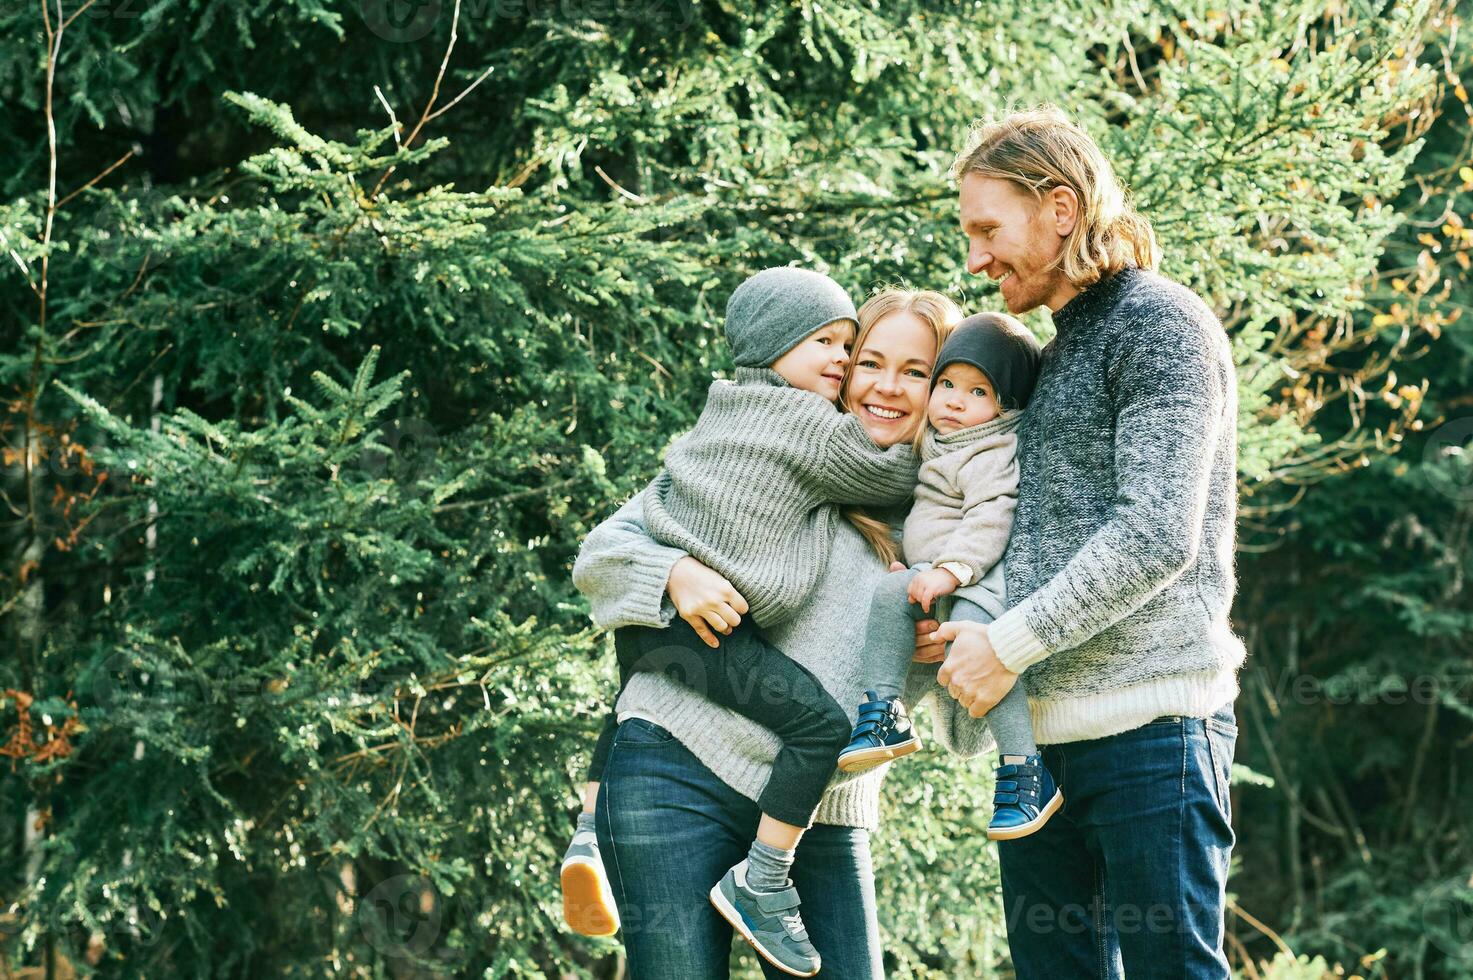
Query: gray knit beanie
{"points": [[770, 313]]}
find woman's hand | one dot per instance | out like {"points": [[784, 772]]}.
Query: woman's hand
{"points": [[705, 599], [928, 651]]}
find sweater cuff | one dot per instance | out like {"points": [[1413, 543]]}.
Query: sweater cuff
{"points": [[1017, 646], [641, 599], [963, 572]]}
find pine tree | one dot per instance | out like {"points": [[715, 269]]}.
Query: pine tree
{"points": [[339, 362]]}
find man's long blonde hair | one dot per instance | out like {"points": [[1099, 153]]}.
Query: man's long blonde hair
{"points": [[1040, 149], [941, 315]]}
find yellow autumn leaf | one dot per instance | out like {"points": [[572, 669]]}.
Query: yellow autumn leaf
{"points": [[1466, 174]]}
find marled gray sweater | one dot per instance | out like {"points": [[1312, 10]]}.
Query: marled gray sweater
{"points": [[623, 571], [1120, 568], [753, 489]]}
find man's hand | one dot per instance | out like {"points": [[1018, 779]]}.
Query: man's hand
{"points": [[972, 673], [930, 585], [705, 599]]}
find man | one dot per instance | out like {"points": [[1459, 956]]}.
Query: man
{"points": [[1119, 571]]}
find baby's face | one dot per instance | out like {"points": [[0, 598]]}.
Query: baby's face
{"points": [[817, 364], [962, 398]]}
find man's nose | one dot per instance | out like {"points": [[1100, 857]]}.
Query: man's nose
{"points": [[978, 260]]}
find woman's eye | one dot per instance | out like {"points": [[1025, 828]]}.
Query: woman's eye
{"points": [[918, 373], [868, 364]]}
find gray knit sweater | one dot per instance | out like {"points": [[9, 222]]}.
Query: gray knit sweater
{"points": [[965, 496], [623, 572], [753, 490], [1120, 568]]}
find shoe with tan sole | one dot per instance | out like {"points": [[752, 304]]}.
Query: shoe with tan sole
{"points": [[588, 901]]}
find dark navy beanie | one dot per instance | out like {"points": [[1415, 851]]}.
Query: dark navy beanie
{"points": [[773, 311], [1001, 348]]}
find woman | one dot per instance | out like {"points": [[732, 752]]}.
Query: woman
{"points": [[677, 804]]}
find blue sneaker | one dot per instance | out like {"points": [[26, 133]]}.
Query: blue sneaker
{"points": [[883, 733], [1025, 798]]}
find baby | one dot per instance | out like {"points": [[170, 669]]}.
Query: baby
{"points": [[955, 537]]}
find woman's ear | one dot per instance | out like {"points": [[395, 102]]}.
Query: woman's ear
{"points": [[1065, 205]]}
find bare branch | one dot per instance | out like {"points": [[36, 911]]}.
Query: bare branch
{"points": [[118, 163]]}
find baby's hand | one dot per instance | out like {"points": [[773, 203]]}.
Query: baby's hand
{"points": [[930, 585]]}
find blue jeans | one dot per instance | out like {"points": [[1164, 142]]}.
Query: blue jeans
{"points": [[668, 829], [1129, 878]]}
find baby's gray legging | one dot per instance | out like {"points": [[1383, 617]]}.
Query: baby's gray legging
{"points": [[889, 645]]}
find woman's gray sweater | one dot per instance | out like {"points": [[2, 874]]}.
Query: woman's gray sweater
{"points": [[753, 489], [623, 573]]}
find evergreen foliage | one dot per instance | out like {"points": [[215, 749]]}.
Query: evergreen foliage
{"points": [[311, 397]]}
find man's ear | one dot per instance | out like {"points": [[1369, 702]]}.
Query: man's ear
{"points": [[1064, 205]]}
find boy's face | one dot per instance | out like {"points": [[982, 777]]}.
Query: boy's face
{"points": [[962, 398], [817, 364]]}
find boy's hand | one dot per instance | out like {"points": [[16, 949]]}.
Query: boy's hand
{"points": [[930, 585], [705, 599]]}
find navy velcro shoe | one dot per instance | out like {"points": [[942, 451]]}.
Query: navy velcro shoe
{"points": [[1024, 799], [884, 732]]}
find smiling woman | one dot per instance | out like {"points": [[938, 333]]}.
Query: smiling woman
{"points": [[888, 392]]}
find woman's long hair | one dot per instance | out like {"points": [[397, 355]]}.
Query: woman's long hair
{"points": [[1040, 149], [940, 314]]}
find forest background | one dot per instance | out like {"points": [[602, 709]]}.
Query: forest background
{"points": [[330, 328]]}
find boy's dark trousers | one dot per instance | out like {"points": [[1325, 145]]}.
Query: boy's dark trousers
{"points": [[758, 682]]}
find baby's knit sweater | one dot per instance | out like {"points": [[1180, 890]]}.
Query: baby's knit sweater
{"points": [[753, 490], [964, 500], [1120, 567]]}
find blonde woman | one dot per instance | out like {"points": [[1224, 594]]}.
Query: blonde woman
{"points": [[677, 805]]}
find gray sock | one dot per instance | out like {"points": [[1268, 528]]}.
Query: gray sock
{"points": [[1011, 725], [586, 822], [767, 867]]}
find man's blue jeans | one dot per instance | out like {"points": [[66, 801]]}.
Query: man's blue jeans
{"points": [[1129, 878], [668, 829]]}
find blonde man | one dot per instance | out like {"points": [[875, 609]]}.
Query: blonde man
{"points": [[1119, 571]]}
